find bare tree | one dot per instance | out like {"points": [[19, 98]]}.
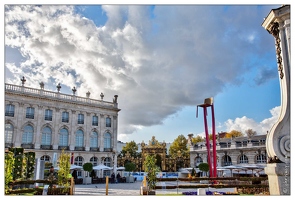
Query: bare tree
{"points": [[250, 132]]}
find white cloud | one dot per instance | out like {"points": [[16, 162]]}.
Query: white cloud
{"points": [[242, 124], [156, 65]]}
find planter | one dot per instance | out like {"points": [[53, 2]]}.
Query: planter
{"points": [[129, 179], [153, 192], [87, 180]]}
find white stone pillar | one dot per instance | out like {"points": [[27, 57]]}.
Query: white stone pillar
{"points": [[277, 23]]}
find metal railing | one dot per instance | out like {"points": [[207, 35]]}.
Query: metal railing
{"points": [[57, 95]]}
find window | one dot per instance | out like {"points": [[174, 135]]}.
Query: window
{"points": [[198, 161], [79, 162], [63, 137], [95, 121], [9, 110], [243, 159], [65, 117], [8, 133], [30, 112], [260, 158], [226, 160], [79, 138], [48, 115], [94, 160], [107, 140], [80, 119], [46, 158], [94, 140], [46, 136], [108, 122], [107, 162], [28, 135]]}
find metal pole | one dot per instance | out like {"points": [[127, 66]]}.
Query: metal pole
{"points": [[214, 143], [207, 142], [107, 185]]}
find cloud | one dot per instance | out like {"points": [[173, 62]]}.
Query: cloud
{"points": [[264, 75], [242, 124], [157, 65]]}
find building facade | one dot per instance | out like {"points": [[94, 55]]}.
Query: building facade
{"points": [[231, 151], [46, 122]]}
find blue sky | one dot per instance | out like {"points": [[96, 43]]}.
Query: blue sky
{"points": [[162, 61]]}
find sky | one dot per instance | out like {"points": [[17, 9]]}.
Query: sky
{"points": [[161, 60]]}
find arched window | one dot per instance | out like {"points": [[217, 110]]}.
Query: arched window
{"points": [[79, 138], [107, 162], [94, 160], [107, 140], [243, 159], [260, 158], [198, 161], [46, 136], [79, 162], [8, 133], [63, 137], [94, 140], [28, 135], [226, 161]]}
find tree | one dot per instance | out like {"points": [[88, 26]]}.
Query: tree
{"points": [[129, 167], [197, 139], [204, 167], [234, 133], [64, 170], [179, 144], [151, 168], [250, 132], [88, 167], [130, 147], [9, 167]]}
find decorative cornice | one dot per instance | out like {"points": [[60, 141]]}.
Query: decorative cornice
{"points": [[275, 31]]}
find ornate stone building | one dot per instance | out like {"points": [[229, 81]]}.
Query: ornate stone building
{"points": [[231, 151], [46, 122]]}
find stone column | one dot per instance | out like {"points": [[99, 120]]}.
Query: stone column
{"points": [[277, 23]]}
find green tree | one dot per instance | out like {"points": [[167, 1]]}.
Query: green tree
{"points": [[64, 170], [88, 167], [179, 145], [151, 168], [204, 167], [129, 167], [130, 147], [9, 168]]}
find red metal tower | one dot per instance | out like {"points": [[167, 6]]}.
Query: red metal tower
{"points": [[212, 162]]}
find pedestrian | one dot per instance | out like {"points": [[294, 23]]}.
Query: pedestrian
{"points": [[113, 177], [118, 178]]}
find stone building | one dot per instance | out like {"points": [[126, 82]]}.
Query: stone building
{"points": [[46, 122], [231, 151]]}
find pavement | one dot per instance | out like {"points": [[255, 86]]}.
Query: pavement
{"points": [[132, 189]]}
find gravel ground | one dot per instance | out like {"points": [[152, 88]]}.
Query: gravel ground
{"points": [[131, 189]]}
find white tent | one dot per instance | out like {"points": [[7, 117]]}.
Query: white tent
{"points": [[101, 167], [72, 167], [119, 168]]}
